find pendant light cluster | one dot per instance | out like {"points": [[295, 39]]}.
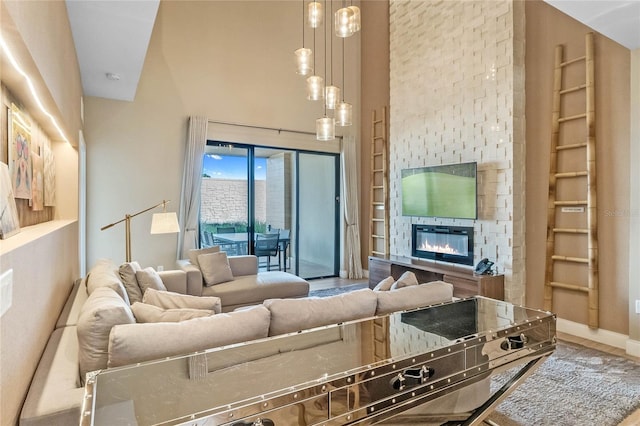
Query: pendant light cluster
{"points": [[346, 22]]}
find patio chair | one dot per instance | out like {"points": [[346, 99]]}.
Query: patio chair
{"points": [[267, 245]]}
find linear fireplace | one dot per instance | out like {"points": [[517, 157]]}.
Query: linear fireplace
{"points": [[446, 243]]}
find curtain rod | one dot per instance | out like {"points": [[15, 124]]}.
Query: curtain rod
{"points": [[302, 132]]}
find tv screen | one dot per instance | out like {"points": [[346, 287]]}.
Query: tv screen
{"points": [[447, 191]]}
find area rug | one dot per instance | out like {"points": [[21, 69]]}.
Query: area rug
{"points": [[326, 292], [574, 386]]}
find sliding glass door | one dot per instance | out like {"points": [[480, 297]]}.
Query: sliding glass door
{"points": [[250, 191]]}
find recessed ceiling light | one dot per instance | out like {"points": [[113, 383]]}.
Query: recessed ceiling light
{"points": [[113, 76]]}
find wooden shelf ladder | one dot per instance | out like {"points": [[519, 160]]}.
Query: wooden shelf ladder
{"points": [[379, 189], [560, 143]]}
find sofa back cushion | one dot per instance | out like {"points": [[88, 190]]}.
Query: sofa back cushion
{"points": [[103, 309], [150, 313], [127, 272], [105, 274], [215, 268], [413, 296], [290, 315], [171, 300], [194, 253], [131, 343]]}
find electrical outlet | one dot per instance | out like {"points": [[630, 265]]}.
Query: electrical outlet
{"points": [[6, 287], [638, 306], [160, 268]]}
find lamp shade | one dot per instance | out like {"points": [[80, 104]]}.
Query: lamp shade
{"points": [[303, 61], [315, 88], [315, 14], [354, 20], [325, 129], [331, 96], [343, 22], [165, 223], [344, 114]]}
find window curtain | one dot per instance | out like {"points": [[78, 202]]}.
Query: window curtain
{"points": [[191, 181], [351, 211]]}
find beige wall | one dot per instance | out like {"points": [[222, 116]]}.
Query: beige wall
{"points": [[227, 60], [547, 27], [38, 34], [633, 346]]}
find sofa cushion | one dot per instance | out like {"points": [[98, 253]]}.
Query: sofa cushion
{"points": [[127, 272], [384, 285], [215, 268], [415, 296], [105, 274], [407, 279], [103, 309], [170, 300], [149, 278], [131, 343], [254, 289], [73, 305], [194, 253], [150, 313], [289, 315]]}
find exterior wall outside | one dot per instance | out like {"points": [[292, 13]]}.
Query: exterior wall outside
{"points": [[546, 28], [456, 96], [235, 207]]}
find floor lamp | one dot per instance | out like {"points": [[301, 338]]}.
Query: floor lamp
{"points": [[161, 223]]}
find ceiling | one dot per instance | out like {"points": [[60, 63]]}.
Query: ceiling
{"points": [[112, 37]]}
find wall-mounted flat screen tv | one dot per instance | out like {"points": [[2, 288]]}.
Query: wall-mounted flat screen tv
{"points": [[447, 191]]}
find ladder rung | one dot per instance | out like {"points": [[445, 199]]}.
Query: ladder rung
{"points": [[573, 89], [570, 286], [571, 230], [571, 146], [378, 236], [569, 62], [378, 203], [378, 252], [572, 117], [377, 154], [571, 174], [378, 187], [378, 170], [571, 203], [378, 137], [377, 121], [377, 220], [570, 259]]}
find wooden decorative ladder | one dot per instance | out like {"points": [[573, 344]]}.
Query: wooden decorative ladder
{"points": [[379, 195], [565, 210]]}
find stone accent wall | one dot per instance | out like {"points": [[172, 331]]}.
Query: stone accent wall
{"points": [[279, 190], [225, 200], [457, 95]]}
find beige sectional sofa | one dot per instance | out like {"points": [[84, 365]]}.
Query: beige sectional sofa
{"points": [[98, 329]]}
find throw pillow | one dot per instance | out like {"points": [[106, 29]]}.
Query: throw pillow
{"points": [[171, 300], [149, 278], [194, 253], [149, 313], [103, 309], [215, 268], [128, 276], [384, 285], [105, 274], [414, 296], [407, 279]]}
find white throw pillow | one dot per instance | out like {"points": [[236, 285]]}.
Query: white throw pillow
{"points": [[384, 285], [194, 253], [128, 276], [103, 309], [171, 300], [104, 273], [414, 296], [215, 268], [149, 313], [149, 278], [407, 279]]}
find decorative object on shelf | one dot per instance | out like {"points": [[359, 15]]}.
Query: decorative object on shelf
{"points": [[9, 224], [20, 153], [347, 22], [161, 223]]}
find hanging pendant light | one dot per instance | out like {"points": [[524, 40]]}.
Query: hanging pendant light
{"points": [[343, 18], [303, 55], [315, 14], [354, 20], [332, 93], [315, 88], [325, 129], [344, 111]]}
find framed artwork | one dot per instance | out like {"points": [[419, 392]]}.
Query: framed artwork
{"points": [[9, 224], [20, 153], [37, 183], [49, 176]]}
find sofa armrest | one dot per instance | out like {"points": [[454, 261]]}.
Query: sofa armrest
{"points": [[194, 277], [243, 265], [175, 280]]}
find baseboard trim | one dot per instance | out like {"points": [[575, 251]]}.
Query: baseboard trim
{"points": [[599, 335], [633, 348]]}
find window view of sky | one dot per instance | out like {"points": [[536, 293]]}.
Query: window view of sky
{"points": [[232, 167]]}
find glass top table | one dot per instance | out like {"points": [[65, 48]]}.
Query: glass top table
{"points": [[358, 372]]}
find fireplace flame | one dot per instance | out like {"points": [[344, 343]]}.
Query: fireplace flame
{"points": [[439, 248]]}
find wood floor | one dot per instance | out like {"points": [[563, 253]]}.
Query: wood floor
{"points": [[632, 420]]}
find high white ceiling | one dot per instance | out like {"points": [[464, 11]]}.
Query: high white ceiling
{"points": [[112, 36]]}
